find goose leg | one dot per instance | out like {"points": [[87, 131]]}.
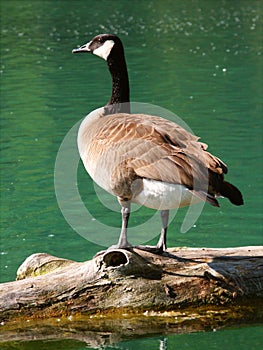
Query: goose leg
{"points": [[125, 213], [162, 240], [123, 242], [161, 245]]}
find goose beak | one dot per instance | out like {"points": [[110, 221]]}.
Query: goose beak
{"points": [[83, 48]]}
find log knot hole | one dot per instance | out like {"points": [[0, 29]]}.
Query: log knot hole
{"points": [[115, 258]]}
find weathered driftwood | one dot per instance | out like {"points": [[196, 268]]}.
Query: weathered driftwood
{"points": [[134, 281], [122, 294]]}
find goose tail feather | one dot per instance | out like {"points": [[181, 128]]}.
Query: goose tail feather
{"points": [[231, 192]]}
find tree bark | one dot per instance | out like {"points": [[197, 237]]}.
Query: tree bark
{"points": [[136, 282]]}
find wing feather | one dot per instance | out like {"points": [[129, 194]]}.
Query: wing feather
{"points": [[159, 149]]}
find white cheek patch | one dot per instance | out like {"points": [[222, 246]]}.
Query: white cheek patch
{"points": [[104, 50]]}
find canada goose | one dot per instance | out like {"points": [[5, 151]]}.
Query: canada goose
{"points": [[143, 158]]}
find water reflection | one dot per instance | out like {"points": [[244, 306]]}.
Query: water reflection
{"points": [[162, 331]]}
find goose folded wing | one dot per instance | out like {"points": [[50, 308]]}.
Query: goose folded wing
{"points": [[158, 149]]}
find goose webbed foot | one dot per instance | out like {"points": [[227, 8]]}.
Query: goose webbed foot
{"points": [[114, 246], [159, 250], [125, 245]]}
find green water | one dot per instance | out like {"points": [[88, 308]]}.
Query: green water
{"points": [[199, 59]]}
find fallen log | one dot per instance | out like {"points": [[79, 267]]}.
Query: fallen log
{"points": [[134, 282]]}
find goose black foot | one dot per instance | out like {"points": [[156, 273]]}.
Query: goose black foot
{"points": [[101, 252], [152, 249]]}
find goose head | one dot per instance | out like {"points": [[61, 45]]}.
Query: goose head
{"points": [[110, 48], [103, 45]]}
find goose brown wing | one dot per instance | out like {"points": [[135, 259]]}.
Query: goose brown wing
{"points": [[159, 149]]}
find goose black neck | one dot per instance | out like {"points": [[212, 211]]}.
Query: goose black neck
{"points": [[120, 96]]}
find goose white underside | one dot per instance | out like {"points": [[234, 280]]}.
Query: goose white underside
{"points": [[155, 194], [163, 196]]}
